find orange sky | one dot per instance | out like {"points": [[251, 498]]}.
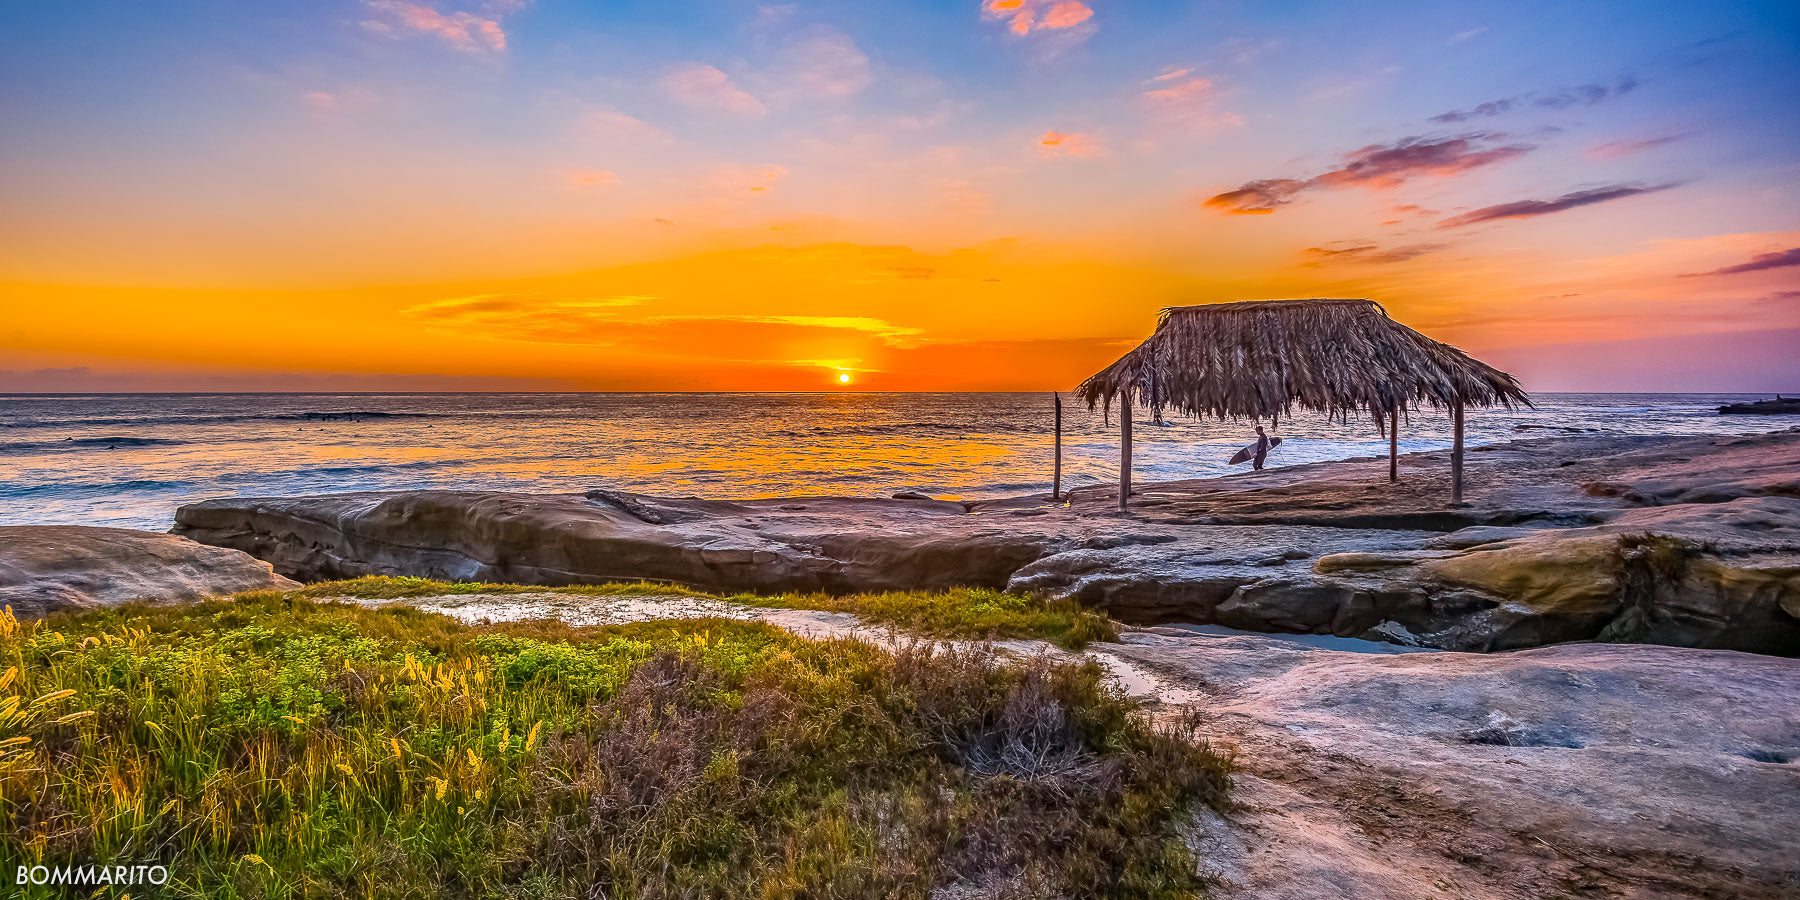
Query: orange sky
{"points": [[384, 195]]}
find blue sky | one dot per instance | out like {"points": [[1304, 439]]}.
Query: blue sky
{"points": [[1505, 175]]}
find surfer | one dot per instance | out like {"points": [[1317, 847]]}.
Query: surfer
{"points": [[1256, 451]]}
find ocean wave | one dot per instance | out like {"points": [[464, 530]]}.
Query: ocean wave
{"points": [[986, 426], [70, 490], [355, 415], [15, 448], [288, 475]]}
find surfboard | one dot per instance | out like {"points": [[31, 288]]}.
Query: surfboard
{"points": [[1250, 450]]}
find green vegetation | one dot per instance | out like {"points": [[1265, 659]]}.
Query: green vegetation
{"points": [[274, 746], [969, 613]]}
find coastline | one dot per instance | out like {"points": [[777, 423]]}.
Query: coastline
{"points": [[1550, 548]]}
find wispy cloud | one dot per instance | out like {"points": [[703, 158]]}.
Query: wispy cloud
{"points": [[589, 178], [1026, 16], [1182, 97], [707, 88], [613, 127], [1357, 252], [1257, 197], [1524, 209], [1069, 143], [1620, 149], [616, 321], [1376, 166], [468, 32], [1562, 98], [1779, 259], [823, 62]]}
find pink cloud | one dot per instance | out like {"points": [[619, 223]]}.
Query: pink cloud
{"points": [[739, 181], [589, 178], [614, 127], [1189, 100], [1058, 143], [1025, 16], [464, 31], [1181, 92], [826, 63], [1379, 167], [704, 87], [1619, 149]]}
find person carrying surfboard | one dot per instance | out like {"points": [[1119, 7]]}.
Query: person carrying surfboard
{"points": [[1258, 451]]}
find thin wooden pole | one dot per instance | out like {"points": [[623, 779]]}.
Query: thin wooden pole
{"points": [[1394, 444], [1125, 450], [1056, 481], [1456, 456]]}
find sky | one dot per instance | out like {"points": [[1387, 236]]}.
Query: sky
{"points": [[956, 195]]}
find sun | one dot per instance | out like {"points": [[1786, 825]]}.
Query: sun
{"points": [[843, 378]]}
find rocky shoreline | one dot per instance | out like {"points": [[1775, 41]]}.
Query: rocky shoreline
{"points": [[1687, 541], [1581, 769]]}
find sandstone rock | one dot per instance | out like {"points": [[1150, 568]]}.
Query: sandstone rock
{"points": [[1329, 548], [44, 568], [821, 544], [1575, 770]]}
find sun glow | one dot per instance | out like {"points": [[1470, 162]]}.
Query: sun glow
{"points": [[843, 378]]}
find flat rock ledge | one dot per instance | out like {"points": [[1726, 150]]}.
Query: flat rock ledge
{"points": [[49, 567], [1687, 541]]}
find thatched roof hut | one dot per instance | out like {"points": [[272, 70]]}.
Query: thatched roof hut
{"points": [[1261, 358]]}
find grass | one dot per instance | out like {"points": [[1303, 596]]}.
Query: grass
{"points": [[273, 746], [966, 613], [962, 613]]}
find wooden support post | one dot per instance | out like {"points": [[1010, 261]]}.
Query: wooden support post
{"points": [[1056, 479], [1125, 450], [1394, 444], [1456, 456]]}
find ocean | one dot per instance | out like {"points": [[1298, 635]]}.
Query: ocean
{"points": [[128, 460]]}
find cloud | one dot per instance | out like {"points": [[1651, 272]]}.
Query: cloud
{"points": [[707, 88], [467, 32], [612, 126], [1057, 143], [589, 178], [824, 63], [1368, 253], [1779, 259], [1257, 197], [1183, 91], [486, 309], [770, 13], [1188, 99], [613, 321], [1376, 166], [1386, 166], [1523, 209], [1563, 98], [1025, 16], [739, 180], [1618, 149], [1461, 36]]}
